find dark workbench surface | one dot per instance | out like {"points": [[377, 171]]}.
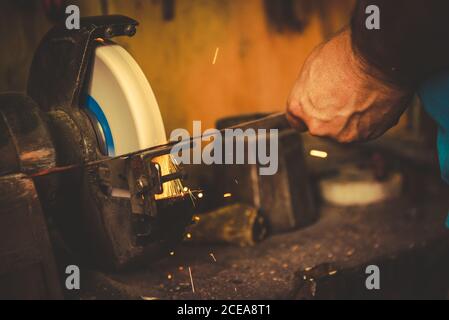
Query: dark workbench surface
{"points": [[407, 240]]}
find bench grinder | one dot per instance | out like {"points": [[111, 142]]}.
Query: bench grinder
{"points": [[93, 142]]}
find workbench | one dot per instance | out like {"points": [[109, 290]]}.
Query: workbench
{"points": [[407, 239]]}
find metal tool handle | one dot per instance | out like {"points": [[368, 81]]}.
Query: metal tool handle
{"points": [[273, 121]]}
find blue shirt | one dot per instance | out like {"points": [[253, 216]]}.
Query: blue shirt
{"points": [[434, 94]]}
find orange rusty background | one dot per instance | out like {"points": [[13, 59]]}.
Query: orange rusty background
{"points": [[255, 67]]}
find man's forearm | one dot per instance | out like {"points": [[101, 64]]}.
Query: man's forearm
{"points": [[413, 40]]}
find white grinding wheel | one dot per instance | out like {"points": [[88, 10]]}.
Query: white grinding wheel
{"points": [[122, 102]]}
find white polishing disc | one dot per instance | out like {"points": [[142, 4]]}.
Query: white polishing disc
{"points": [[357, 187], [123, 102]]}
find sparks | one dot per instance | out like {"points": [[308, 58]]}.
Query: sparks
{"points": [[196, 218], [318, 154], [172, 253], [169, 277], [213, 256], [200, 195], [189, 236], [227, 195], [192, 198], [191, 280], [214, 61]]}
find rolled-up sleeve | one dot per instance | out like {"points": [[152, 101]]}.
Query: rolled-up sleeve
{"points": [[412, 42]]}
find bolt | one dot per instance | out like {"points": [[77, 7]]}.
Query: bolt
{"points": [[108, 33], [142, 183], [130, 30]]}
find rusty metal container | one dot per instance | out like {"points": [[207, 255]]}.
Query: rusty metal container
{"points": [[285, 199]]}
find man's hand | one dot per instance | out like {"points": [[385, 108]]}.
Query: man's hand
{"points": [[337, 97]]}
